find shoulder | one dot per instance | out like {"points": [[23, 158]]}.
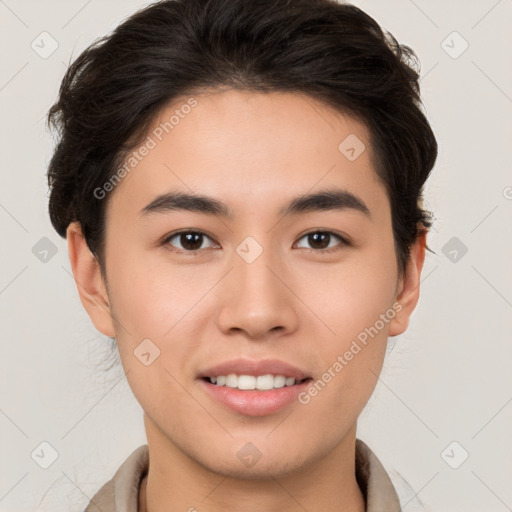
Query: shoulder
{"points": [[121, 492], [383, 491]]}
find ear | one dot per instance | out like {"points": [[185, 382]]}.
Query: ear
{"points": [[89, 281], [408, 290]]}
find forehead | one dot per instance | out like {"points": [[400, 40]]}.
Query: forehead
{"points": [[250, 149]]}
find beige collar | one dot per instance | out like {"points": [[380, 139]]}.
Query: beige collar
{"points": [[121, 493]]}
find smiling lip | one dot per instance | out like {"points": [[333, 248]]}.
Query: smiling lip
{"points": [[254, 402]]}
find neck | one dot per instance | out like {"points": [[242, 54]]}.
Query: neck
{"points": [[176, 482]]}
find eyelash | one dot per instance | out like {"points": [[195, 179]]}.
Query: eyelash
{"points": [[167, 239]]}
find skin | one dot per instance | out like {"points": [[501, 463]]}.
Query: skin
{"points": [[254, 152]]}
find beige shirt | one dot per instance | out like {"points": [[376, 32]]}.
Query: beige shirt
{"points": [[121, 493]]}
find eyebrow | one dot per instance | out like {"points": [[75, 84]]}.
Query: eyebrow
{"points": [[324, 200]]}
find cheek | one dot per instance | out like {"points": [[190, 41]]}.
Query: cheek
{"points": [[355, 305], [150, 297], [158, 310], [349, 298], [153, 310]]}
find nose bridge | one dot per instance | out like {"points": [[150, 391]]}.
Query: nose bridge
{"points": [[253, 277], [255, 298]]}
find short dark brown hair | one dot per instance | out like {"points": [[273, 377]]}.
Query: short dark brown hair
{"points": [[333, 52]]}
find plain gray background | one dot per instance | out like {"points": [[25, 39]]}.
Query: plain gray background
{"points": [[445, 392]]}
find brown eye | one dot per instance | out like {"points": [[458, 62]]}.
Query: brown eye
{"points": [[320, 241], [187, 241]]}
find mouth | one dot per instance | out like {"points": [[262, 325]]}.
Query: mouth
{"points": [[254, 388], [238, 394], [252, 382]]}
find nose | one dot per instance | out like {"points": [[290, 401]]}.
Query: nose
{"points": [[256, 299]]}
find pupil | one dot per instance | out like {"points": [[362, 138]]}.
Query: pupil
{"points": [[194, 239], [315, 237]]}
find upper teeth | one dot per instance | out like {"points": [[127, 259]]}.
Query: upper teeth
{"points": [[262, 382]]}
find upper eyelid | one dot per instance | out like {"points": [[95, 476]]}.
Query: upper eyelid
{"points": [[342, 238], [322, 230], [166, 239]]}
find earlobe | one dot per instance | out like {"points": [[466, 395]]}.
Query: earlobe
{"points": [[89, 281], [409, 287]]}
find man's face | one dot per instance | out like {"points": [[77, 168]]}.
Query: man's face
{"points": [[256, 285]]}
